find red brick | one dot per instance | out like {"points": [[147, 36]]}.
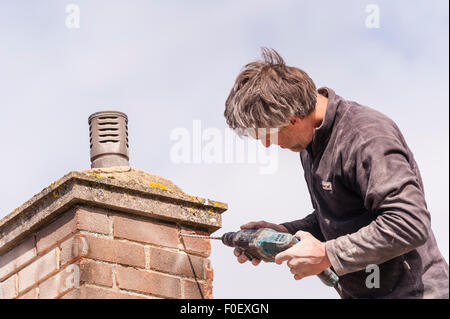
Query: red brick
{"points": [[63, 281], [93, 272], [93, 220], [72, 249], [13, 260], [209, 271], [93, 292], [72, 294], [177, 263], [37, 270], [32, 294], [116, 251], [57, 231], [199, 246], [145, 231], [148, 282], [8, 288], [193, 291]]}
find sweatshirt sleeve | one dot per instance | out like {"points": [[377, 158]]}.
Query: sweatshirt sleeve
{"points": [[391, 191], [308, 224]]}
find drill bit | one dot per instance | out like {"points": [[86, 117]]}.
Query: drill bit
{"points": [[201, 236]]}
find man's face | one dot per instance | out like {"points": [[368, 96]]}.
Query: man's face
{"points": [[295, 136]]}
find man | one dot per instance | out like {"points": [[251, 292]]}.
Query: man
{"points": [[365, 186]]}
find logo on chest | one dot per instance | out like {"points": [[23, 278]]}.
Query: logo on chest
{"points": [[327, 186]]}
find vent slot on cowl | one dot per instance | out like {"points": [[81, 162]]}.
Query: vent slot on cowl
{"points": [[108, 133]]}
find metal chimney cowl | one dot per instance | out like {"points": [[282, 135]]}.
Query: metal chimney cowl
{"points": [[108, 131]]}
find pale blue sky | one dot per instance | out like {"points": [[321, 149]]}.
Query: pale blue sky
{"points": [[166, 63]]}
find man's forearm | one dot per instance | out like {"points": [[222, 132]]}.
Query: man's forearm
{"points": [[385, 238]]}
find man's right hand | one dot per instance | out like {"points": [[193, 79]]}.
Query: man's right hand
{"points": [[261, 224]]}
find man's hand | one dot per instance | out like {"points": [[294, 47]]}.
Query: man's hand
{"points": [[306, 258], [261, 224]]}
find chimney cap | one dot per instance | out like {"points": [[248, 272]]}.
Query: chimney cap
{"points": [[108, 134], [124, 189], [106, 114]]}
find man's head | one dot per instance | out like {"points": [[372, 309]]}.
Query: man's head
{"points": [[270, 94]]}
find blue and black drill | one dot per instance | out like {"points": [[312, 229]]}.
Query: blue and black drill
{"points": [[265, 244]]}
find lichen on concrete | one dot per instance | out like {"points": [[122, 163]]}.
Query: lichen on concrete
{"points": [[132, 175]]}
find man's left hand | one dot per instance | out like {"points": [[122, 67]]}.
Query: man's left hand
{"points": [[306, 258]]}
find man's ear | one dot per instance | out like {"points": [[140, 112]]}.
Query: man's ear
{"points": [[295, 120]]}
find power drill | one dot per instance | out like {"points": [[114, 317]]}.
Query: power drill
{"points": [[264, 244]]}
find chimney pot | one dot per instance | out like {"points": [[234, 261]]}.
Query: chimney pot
{"points": [[108, 132]]}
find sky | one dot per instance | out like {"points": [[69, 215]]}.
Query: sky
{"points": [[167, 64]]}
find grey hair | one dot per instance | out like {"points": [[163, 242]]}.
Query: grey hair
{"points": [[268, 93]]}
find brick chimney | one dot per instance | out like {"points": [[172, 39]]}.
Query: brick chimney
{"points": [[110, 232]]}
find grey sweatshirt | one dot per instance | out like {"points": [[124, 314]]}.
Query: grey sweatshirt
{"points": [[369, 206]]}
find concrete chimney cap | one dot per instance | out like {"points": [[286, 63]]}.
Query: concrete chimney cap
{"points": [[111, 188], [131, 175]]}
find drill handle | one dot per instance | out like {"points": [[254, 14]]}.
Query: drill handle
{"points": [[328, 276]]}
